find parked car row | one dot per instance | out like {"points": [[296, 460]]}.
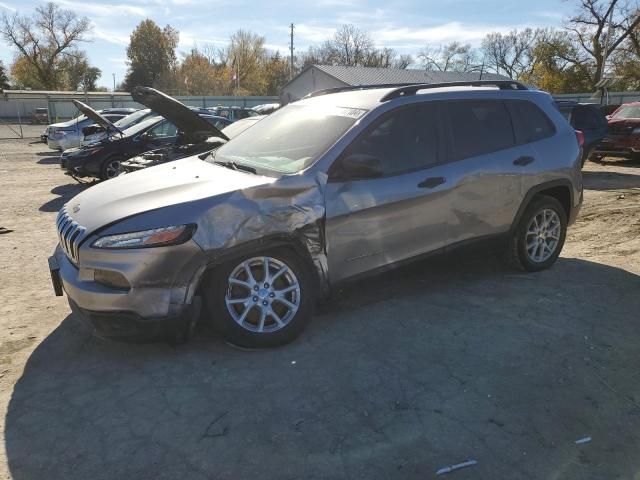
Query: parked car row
{"points": [[63, 135], [327, 189], [615, 135], [164, 131]]}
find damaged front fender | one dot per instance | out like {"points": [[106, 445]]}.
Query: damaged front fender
{"points": [[291, 209]]}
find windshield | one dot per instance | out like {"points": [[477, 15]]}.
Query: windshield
{"points": [[628, 111], [290, 139], [141, 126], [132, 119]]}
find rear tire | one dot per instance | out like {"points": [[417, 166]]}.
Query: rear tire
{"points": [[539, 237], [252, 309]]}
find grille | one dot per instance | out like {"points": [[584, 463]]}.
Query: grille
{"points": [[70, 234], [621, 129]]}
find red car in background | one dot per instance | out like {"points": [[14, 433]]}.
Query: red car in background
{"points": [[623, 135]]}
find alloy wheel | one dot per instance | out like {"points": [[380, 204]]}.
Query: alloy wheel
{"points": [[263, 294], [113, 169], [543, 235]]}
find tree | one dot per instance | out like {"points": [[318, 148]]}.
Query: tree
{"points": [[510, 54], [78, 74], [555, 66], [351, 47], [197, 74], [44, 40], [626, 63], [151, 53], [599, 28], [276, 73], [243, 60], [4, 78], [453, 57]]}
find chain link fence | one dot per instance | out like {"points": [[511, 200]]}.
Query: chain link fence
{"points": [[25, 114]]}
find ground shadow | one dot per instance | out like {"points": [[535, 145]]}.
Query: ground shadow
{"points": [[65, 193], [425, 367], [597, 180], [49, 160], [620, 162], [47, 153]]}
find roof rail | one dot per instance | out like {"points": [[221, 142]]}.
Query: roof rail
{"points": [[413, 89], [349, 88]]}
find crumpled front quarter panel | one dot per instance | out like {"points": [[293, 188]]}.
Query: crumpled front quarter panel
{"points": [[292, 206]]}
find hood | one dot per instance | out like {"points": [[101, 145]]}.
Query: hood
{"points": [[623, 126], [164, 185], [190, 123], [96, 117], [625, 121]]}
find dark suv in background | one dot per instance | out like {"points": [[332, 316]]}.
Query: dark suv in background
{"points": [[588, 119]]}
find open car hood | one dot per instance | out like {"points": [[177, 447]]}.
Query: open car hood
{"points": [[196, 128], [96, 117]]}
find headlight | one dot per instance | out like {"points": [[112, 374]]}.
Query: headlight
{"points": [[157, 237]]}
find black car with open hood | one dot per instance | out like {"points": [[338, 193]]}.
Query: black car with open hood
{"points": [[168, 154], [180, 126]]}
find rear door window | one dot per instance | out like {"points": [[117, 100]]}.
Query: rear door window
{"points": [[584, 118], [531, 123], [479, 127]]}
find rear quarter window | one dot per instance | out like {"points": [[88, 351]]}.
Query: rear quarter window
{"points": [[530, 122], [479, 127]]}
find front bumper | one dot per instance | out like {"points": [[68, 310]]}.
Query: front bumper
{"points": [[155, 303], [623, 146], [132, 327], [62, 143]]}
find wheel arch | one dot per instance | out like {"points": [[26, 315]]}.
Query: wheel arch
{"points": [[560, 189], [293, 241]]}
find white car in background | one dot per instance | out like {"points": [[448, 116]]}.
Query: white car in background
{"points": [[63, 135]]}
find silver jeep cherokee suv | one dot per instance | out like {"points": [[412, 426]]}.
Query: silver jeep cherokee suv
{"points": [[337, 185]]}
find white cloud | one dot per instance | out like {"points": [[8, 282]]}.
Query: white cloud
{"points": [[436, 35], [7, 7], [117, 38], [313, 33], [104, 9]]}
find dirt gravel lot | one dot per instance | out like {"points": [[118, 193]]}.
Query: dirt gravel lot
{"points": [[398, 376]]}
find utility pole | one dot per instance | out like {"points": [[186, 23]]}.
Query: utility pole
{"points": [[114, 82], [291, 54], [84, 77]]}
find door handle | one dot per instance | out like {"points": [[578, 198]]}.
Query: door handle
{"points": [[432, 182], [522, 161]]}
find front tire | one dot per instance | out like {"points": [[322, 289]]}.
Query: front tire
{"points": [[111, 168], [262, 300], [539, 237]]}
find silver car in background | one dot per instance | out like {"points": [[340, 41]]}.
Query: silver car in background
{"points": [[63, 135], [333, 187]]}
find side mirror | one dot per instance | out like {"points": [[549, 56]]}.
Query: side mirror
{"points": [[359, 166]]}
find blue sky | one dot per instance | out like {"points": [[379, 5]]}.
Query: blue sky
{"points": [[405, 25]]}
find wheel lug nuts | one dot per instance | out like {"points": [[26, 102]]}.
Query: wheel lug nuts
{"points": [[272, 294], [266, 285], [255, 287], [265, 303], [255, 299]]}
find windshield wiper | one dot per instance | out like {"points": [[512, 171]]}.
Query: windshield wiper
{"points": [[236, 166]]}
